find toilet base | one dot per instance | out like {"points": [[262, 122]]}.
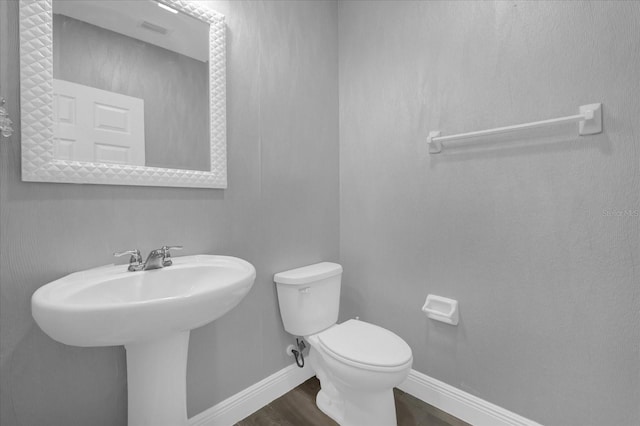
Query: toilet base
{"points": [[351, 407], [332, 408], [377, 409]]}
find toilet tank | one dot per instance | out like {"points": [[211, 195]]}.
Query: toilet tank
{"points": [[309, 297]]}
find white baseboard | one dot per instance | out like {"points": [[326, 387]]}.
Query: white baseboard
{"points": [[237, 407], [460, 404], [447, 398]]}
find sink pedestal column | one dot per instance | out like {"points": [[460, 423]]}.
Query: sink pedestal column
{"points": [[157, 381]]}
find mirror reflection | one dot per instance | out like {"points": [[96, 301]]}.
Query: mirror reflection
{"points": [[131, 84]]}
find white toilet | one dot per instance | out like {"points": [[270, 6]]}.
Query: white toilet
{"points": [[358, 364]]}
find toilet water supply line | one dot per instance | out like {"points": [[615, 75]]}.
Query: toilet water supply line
{"points": [[298, 353]]}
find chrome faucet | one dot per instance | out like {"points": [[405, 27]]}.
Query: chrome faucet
{"points": [[158, 258]]}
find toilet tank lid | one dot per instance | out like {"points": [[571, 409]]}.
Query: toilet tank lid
{"points": [[308, 274]]}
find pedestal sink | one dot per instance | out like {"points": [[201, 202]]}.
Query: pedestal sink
{"points": [[149, 312]]}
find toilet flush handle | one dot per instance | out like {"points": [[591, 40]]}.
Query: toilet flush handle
{"points": [[305, 290]]}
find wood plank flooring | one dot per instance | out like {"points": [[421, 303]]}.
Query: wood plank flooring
{"points": [[298, 408]]}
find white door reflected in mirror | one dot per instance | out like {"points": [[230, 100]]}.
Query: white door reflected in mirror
{"points": [[96, 125]]}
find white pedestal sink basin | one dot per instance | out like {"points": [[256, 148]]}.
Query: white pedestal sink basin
{"points": [[149, 312]]}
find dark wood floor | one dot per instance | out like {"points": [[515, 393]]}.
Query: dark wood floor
{"points": [[298, 408]]}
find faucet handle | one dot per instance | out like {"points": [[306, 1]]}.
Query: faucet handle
{"points": [[133, 253], [134, 261], [167, 254]]}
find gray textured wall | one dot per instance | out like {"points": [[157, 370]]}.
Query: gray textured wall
{"points": [[548, 284], [174, 87], [280, 211]]}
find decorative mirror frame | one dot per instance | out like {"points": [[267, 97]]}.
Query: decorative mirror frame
{"points": [[36, 75]]}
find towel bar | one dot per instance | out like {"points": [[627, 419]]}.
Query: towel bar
{"points": [[590, 119]]}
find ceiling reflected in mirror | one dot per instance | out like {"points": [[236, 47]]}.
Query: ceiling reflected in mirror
{"points": [[146, 20]]}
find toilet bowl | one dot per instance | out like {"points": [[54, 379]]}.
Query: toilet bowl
{"points": [[358, 363], [361, 363]]}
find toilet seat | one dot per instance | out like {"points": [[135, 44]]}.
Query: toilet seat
{"points": [[366, 346]]}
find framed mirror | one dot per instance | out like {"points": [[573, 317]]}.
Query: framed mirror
{"points": [[123, 93]]}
